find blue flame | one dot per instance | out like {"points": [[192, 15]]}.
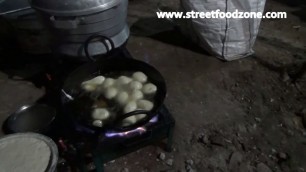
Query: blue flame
{"points": [[139, 130]]}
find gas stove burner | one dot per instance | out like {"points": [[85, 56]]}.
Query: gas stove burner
{"points": [[137, 131]]}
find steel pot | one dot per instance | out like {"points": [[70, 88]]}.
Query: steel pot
{"points": [[73, 7], [72, 22], [76, 48]]}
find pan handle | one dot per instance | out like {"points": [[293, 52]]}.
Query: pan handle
{"points": [[102, 39], [118, 122]]}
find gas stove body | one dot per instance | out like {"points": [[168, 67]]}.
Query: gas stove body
{"points": [[106, 146]]}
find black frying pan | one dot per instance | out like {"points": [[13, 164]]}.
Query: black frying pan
{"points": [[71, 89]]}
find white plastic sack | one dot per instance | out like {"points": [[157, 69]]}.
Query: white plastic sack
{"points": [[228, 39]]}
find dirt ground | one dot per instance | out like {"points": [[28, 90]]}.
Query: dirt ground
{"points": [[246, 115]]}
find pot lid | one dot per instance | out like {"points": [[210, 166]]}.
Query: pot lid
{"points": [[72, 7]]}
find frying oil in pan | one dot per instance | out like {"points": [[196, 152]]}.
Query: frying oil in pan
{"points": [[98, 100]]}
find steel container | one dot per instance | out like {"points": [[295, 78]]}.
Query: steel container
{"points": [[72, 22]]}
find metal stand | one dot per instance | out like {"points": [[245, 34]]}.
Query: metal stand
{"points": [[112, 148]]}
